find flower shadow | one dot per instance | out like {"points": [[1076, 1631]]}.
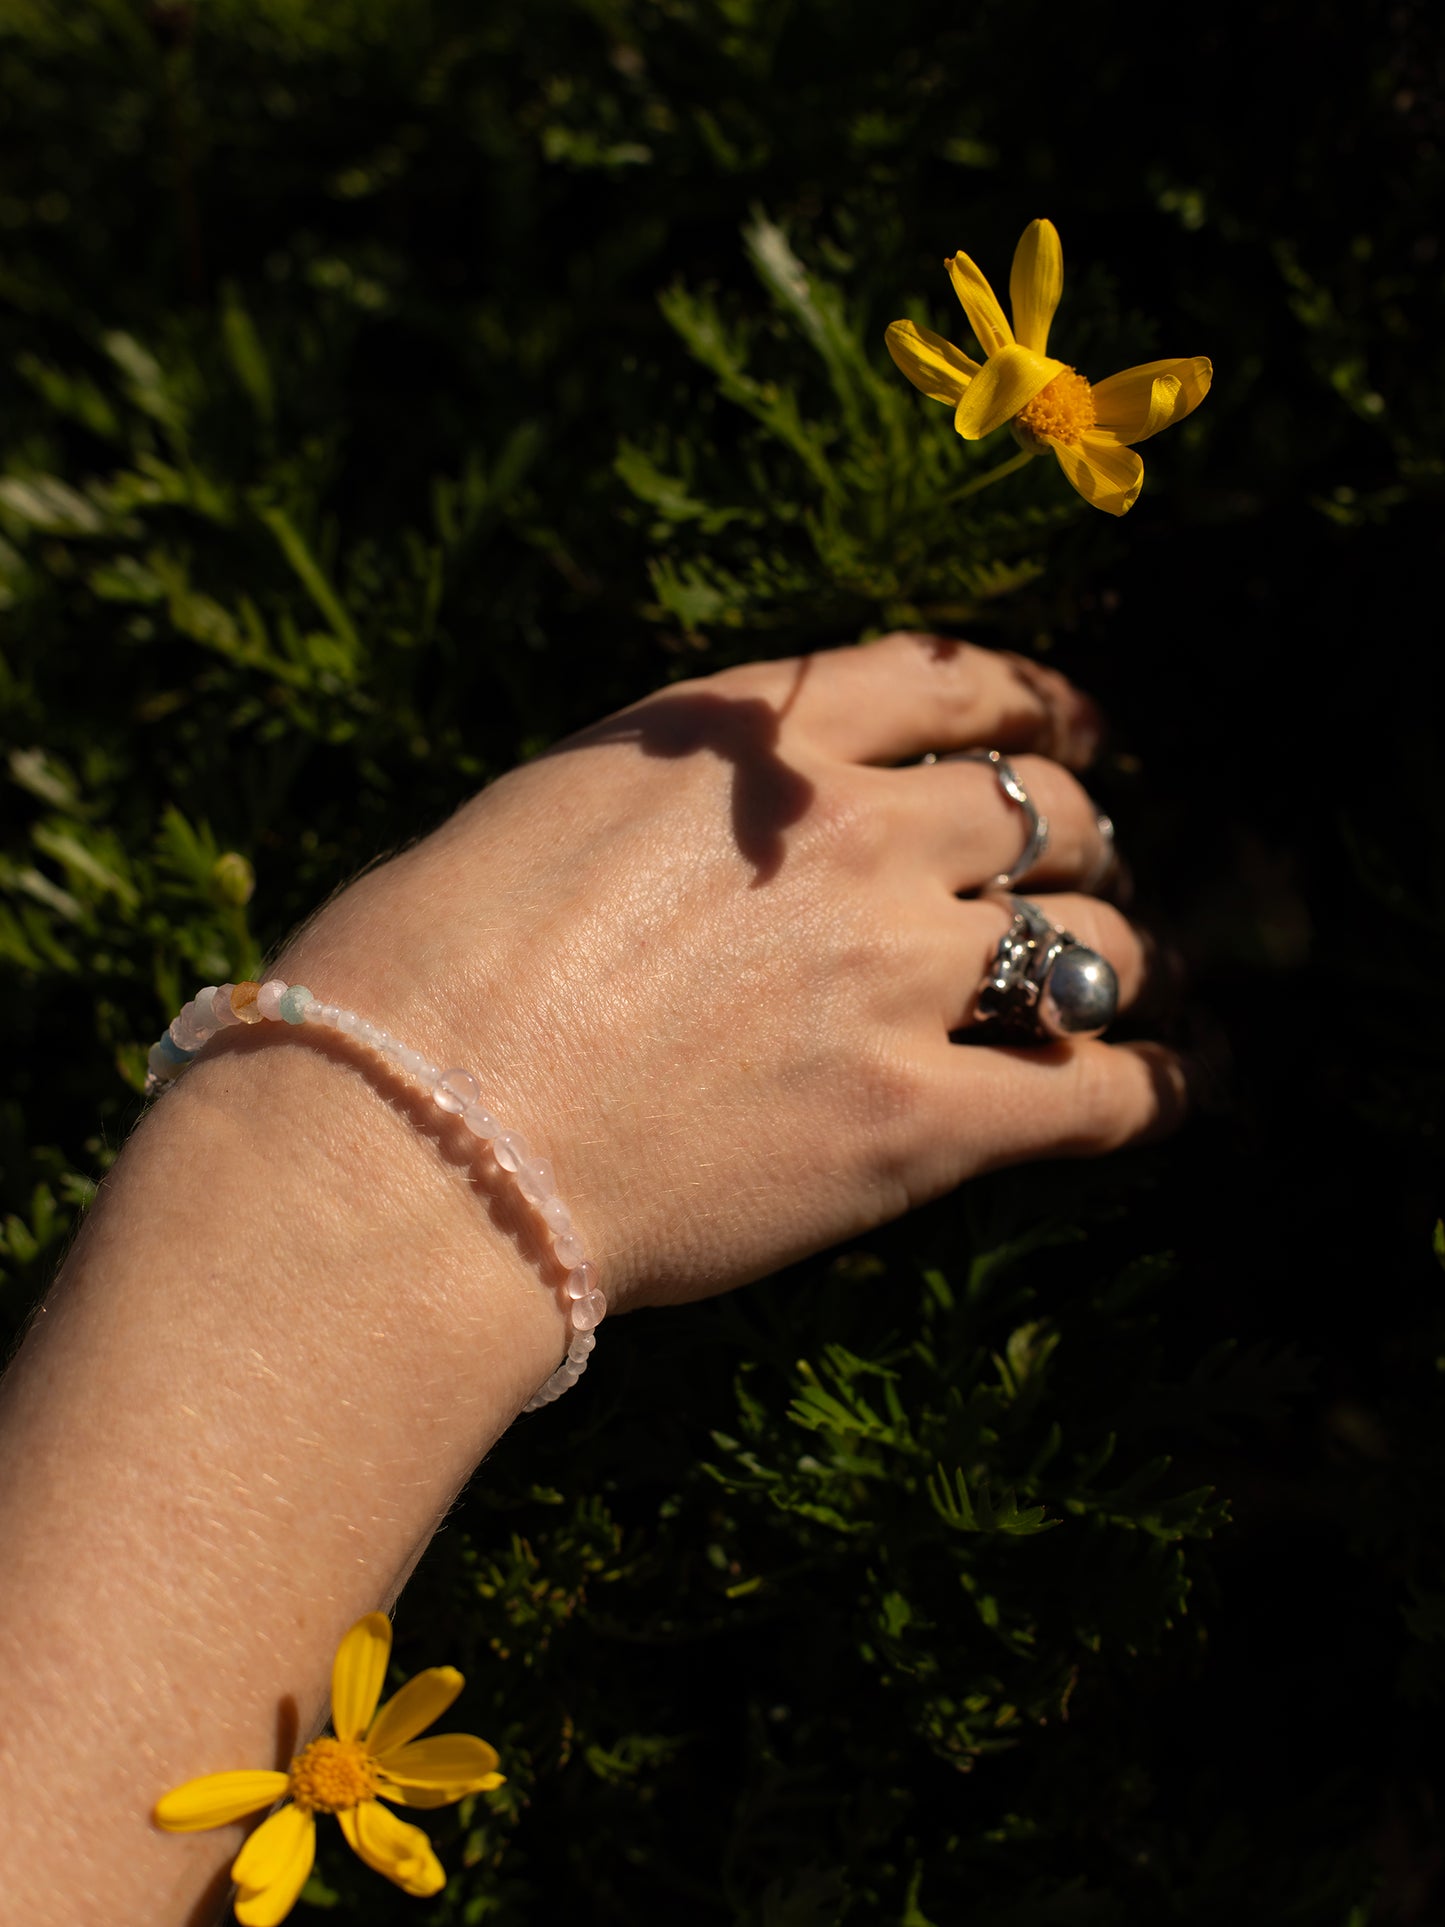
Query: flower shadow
{"points": [[768, 794]]}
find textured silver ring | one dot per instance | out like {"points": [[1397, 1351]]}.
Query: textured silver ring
{"points": [[1044, 984], [1008, 781]]}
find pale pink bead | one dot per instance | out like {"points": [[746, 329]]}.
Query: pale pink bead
{"points": [[556, 1216], [188, 1031], [535, 1180], [221, 1007], [569, 1248], [584, 1342], [199, 1012], [347, 1022], [455, 1090], [581, 1279], [511, 1150], [589, 1311], [268, 999], [480, 1122]]}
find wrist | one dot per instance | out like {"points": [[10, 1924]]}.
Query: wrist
{"points": [[455, 989], [349, 1206]]}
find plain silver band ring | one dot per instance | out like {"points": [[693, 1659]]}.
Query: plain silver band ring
{"points": [[1013, 789]]}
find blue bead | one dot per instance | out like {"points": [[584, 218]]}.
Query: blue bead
{"points": [[172, 1051], [293, 1001]]}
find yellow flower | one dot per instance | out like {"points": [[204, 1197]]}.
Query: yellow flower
{"points": [[373, 1757], [1091, 428]]}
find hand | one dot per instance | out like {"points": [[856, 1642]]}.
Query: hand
{"points": [[707, 956]]}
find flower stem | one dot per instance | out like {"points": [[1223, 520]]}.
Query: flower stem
{"points": [[991, 475]]}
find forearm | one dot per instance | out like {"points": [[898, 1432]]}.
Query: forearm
{"points": [[710, 958], [287, 1334]]}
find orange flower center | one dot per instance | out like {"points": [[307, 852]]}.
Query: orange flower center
{"points": [[331, 1774], [1059, 413]]}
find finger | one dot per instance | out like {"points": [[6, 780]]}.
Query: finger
{"points": [[897, 698], [1070, 1100], [968, 826], [977, 926]]}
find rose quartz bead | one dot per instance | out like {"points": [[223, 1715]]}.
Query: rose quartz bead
{"points": [[222, 1008], [189, 1031], [511, 1150], [455, 1090], [268, 999], [535, 1180], [555, 1215], [589, 1311], [198, 1015], [581, 1279], [480, 1122], [569, 1248], [583, 1343]]}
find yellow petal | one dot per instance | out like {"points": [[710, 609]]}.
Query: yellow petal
{"points": [[216, 1799], [1036, 283], [980, 304], [1108, 476], [1131, 407], [274, 1848], [271, 1868], [930, 363], [389, 1846], [1007, 382], [412, 1709], [457, 1760], [358, 1674], [438, 1796]]}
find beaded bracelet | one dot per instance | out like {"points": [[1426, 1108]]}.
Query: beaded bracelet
{"points": [[456, 1092]]}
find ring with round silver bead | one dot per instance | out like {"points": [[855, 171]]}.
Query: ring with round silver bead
{"points": [[1045, 986]]}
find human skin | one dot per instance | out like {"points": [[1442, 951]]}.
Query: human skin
{"points": [[707, 957]]}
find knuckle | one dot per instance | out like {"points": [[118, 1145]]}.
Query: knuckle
{"points": [[895, 1094], [846, 827]]}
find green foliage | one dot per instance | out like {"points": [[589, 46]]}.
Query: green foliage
{"points": [[867, 527], [390, 388]]}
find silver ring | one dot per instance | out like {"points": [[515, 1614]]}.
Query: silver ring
{"points": [[1013, 789], [1104, 870], [1045, 984]]}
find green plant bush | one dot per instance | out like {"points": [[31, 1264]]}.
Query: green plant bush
{"points": [[389, 389]]}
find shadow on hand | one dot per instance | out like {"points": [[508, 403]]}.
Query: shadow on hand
{"points": [[768, 794]]}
